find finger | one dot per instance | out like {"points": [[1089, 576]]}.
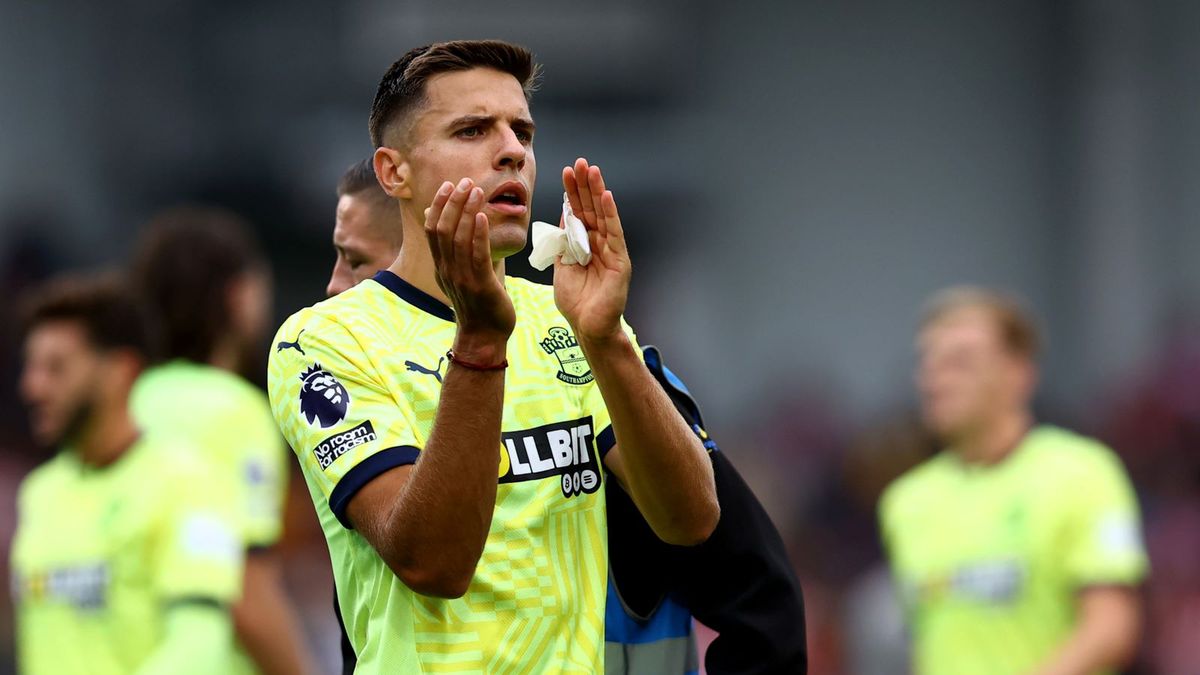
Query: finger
{"points": [[597, 189], [464, 233], [433, 213], [481, 244], [448, 221], [572, 189], [439, 203], [588, 215], [616, 233]]}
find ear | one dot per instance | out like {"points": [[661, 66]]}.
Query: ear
{"points": [[393, 173], [120, 368]]}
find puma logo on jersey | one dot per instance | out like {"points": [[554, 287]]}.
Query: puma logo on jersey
{"points": [[283, 344], [563, 449], [415, 367]]}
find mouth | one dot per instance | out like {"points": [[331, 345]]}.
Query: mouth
{"points": [[510, 198]]}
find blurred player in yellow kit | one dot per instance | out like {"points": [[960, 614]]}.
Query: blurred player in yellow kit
{"points": [[125, 558], [208, 284], [1018, 549]]}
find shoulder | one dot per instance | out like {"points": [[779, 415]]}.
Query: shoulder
{"points": [[171, 457], [1069, 456], [339, 326], [920, 483], [43, 480]]}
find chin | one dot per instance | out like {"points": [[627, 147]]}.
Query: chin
{"points": [[508, 239]]}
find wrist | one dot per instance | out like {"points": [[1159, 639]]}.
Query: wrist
{"points": [[480, 349], [605, 345]]}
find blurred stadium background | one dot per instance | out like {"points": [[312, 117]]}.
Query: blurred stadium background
{"points": [[796, 179]]}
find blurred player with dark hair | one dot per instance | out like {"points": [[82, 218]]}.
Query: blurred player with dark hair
{"points": [[204, 276], [366, 233], [125, 558], [1017, 549], [460, 497]]}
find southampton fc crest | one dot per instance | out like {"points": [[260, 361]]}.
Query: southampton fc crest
{"points": [[574, 368], [323, 399]]}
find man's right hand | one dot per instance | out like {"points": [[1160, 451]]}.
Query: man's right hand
{"points": [[458, 236]]}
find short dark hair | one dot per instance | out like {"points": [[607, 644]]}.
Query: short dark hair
{"points": [[403, 85], [360, 177], [109, 311], [185, 261], [1016, 324]]}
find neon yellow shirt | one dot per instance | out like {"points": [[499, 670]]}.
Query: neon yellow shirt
{"points": [[229, 421], [101, 555], [354, 383], [988, 559]]}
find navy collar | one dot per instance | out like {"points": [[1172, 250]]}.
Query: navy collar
{"points": [[414, 296]]}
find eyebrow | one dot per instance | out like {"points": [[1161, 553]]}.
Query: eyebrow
{"points": [[523, 123]]}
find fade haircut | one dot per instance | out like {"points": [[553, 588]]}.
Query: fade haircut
{"points": [[360, 177], [402, 89], [103, 304], [1015, 324], [184, 264]]}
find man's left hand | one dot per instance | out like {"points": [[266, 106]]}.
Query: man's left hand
{"points": [[593, 297]]}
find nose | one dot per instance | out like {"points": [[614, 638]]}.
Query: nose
{"points": [[339, 280], [512, 153]]}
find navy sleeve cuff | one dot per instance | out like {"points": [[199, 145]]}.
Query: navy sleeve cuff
{"points": [[363, 473], [605, 441]]}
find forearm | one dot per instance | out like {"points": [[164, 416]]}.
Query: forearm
{"points": [[263, 621], [1105, 637], [663, 464], [198, 639], [440, 520]]}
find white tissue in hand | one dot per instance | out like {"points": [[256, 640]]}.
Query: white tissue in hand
{"points": [[551, 242]]}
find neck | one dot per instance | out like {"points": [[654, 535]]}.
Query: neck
{"points": [[107, 436], [415, 263], [226, 355], [992, 442]]}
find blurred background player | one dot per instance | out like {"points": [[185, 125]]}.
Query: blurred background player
{"points": [[366, 232], [205, 278], [754, 604], [1018, 548], [125, 557]]}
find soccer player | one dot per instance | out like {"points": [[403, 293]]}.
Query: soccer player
{"points": [[366, 232], [204, 276], [460, 495], [125, 558], [1018, 548], [754, 603]]}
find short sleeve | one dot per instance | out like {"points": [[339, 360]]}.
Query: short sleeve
{"points": [[342, 423], [1102, 541], [199, 553], [263, 476], [594, 404]]}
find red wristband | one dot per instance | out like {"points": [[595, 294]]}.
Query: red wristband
{"points": [[475, 366]]}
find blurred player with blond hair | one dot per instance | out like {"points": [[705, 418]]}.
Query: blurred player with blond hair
{"points": [[1018, 549]]}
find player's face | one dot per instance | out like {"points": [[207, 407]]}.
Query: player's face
{"points": [[61, 381], [965, 376], [477, 125], [361, 241], [251, 307]]}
